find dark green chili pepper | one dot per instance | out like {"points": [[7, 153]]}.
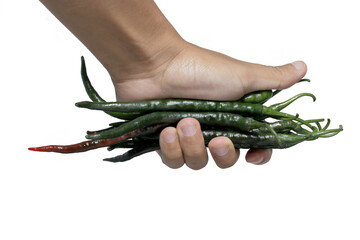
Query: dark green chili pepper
{"points": [[112, 125], [263, 96], [90, 90], [191, 105], [99, 131], [265, 141], [138, 150], [278, 126], [95, 97], [116, 124], [259, 97], [135, 142]]}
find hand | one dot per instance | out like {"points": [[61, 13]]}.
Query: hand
{"points": [[147, 59], [194, 72]]}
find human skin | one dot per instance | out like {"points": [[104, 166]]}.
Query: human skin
{"points": [[147, 59]]}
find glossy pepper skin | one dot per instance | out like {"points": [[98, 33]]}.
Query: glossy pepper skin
{"points": [[80, 147], [94, 144], [237, 121], [257, 97]]}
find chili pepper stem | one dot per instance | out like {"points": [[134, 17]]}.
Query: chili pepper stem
{"points": [[276, 114], [275, 134], [324, 133], [282, 105]]}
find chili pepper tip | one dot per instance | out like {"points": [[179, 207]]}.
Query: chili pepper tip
{"points": [[40, 149], [33, 149]]}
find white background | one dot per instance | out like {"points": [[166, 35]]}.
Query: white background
{"points": [[310, 191]]}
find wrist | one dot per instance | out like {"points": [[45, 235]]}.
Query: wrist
{"points": [[141, 40], [128, 36], [142, 54]]}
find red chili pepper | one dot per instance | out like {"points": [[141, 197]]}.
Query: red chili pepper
{"points": [[83, 146], [93, 144]]}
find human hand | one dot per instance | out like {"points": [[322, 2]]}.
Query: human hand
{"points": [[194, 72]]}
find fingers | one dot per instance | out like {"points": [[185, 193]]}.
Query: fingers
{"points": [[192, 143], [185, 144], [258, 156], [171, 153], [261, 77], [223, 152]]}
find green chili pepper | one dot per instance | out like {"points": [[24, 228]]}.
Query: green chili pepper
{"points": [[95, 97], [248, 109], [259, 97]]}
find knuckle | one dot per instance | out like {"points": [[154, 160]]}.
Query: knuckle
{"points": [[171, 154], [196, 153], [192, 143], [279, 74]]}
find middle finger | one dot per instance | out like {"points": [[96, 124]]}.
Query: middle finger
{"points": [[192, 143]]}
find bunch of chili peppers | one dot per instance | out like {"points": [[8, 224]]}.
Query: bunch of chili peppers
{"points": [[244, 121]]}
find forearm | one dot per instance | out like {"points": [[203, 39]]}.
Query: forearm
{"points": [[130, 31]]}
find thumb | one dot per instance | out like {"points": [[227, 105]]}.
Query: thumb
{"points": [[261, 77]]}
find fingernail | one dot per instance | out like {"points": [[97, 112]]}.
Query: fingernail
{"points": [[169, 137], [299, 65], [188, 130], [221, 151]]}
